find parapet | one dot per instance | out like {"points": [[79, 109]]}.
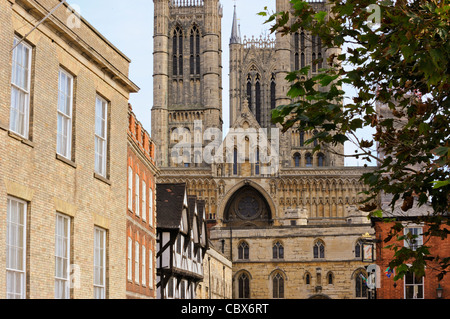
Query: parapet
{"points": [[140, 136]]}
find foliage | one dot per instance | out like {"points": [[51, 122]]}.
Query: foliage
{"points": [[400, 63]]}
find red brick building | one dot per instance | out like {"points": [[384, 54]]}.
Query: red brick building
{"points": [[141, 219], [410, 287]]}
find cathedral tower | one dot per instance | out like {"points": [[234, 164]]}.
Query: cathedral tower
{"points": [[258, 70], [187, 75]]}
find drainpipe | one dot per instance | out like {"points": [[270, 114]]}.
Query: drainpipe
{"points": [[209, 275]]}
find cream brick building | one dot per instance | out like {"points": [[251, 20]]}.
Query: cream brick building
{"points": [[62, 192], [292, 231], [217, 276]]}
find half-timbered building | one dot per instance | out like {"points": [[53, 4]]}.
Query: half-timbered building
{"points": [[181, 242]]}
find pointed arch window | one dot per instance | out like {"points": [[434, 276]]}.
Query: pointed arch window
{"points": [[296, 50], [358, 249], [177, 48], [278, 286], [308, 159], [302, 138], [244, 286], [330, 278], [249, 91], [319, 249], [257, 164], [243, 251], [314, 62], [258, 99], [320, 160], [195, 51], [308, 279], [273, 87], [297, 160], [235, 162], [360, 285], [278, 250]]}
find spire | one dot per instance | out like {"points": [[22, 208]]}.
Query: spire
{"points": [[235, 30]]}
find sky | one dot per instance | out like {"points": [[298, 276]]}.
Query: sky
{"points": [[128, 25]]}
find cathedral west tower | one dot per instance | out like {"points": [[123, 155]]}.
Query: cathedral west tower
{"points": [[187, 75]]}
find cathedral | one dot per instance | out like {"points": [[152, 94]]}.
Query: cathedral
{"points": [[287, 217]]}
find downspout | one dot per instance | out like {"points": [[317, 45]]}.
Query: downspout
{"points": [[209, 275]]}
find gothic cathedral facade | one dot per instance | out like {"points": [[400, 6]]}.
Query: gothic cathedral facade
{"points": [[287, 217]]}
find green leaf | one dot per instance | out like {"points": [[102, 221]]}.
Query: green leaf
{"points": [[439, 184], [328, 79], [320, 16], [356, 124], [423, 128], [376, 214], [299, 4], [441, 151], [340, 138]]}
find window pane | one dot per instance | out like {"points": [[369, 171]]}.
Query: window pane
{"points": [[64, 128], [19, 111], [62, 256], [144, 201], [20, 87], [99, 263], [15, 249], [100, 136], [144, 277]]}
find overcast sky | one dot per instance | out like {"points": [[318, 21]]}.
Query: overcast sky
{"points": [[128, 25]]}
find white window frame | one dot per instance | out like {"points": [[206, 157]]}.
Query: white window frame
{"points": [[130, 188], [101, 136], [99, 263], [136, 261], [416, 230], [130, 259], [62, 257], [144, 201], [63, 117], [136, 195], [16, 125], [143, 266], [415, 286], [150, 268], [16, 273], [150, 208]]}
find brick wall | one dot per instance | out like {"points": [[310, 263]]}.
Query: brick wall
{"points": [[391, 289], [141, 151], [30, 169]]}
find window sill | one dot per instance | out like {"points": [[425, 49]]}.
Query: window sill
{"points": [[21, 139], [103, 179], [66, 161]]}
